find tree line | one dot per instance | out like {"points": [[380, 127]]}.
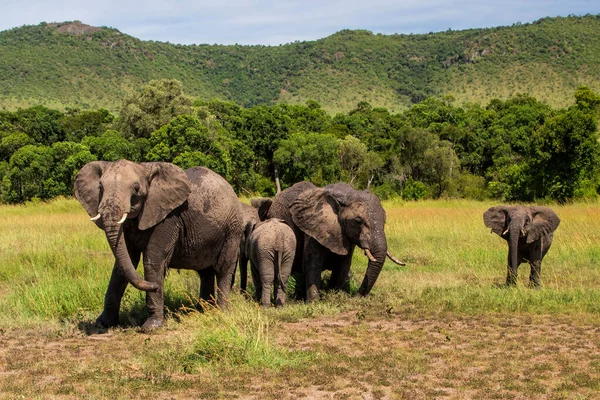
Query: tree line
{"points": [[519, 149]]}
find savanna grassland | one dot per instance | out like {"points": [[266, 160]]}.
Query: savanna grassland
{"points": [[441, 327]]}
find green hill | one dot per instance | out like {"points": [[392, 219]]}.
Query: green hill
{"points": [[76, 65]]}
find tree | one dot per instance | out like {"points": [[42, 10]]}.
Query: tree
{"points": [[68, 157], [29, 167], [79, 124], [154, 106], [112, 146], [438, 165], [41, 124], [187, 142], [586, 100], [358, 164], [310, 156], [565, 155], [12, 143]]}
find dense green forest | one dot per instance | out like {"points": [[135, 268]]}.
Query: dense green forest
{"points": [[70, 64], [513, 149]]}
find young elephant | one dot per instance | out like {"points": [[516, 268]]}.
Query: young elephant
{"points": [[271, 246], [528, 231]]}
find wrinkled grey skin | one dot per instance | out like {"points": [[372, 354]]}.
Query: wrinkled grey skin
{"points": [[249, 219], [329, 222], [279, 207], [270, 246], [175, 219], [528, 231]]}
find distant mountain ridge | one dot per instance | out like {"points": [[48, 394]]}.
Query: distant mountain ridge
{"points": [[71, 64]]}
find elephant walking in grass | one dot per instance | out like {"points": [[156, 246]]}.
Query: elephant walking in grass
{"points": [[167, 217], [329, 223], [270, 246], [528, 231]]}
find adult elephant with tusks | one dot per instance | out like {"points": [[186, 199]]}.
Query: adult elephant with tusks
{"points": [[329, 223], [171, 218]]}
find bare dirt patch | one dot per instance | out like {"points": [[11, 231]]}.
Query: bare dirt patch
{"points": [[357, 357]]}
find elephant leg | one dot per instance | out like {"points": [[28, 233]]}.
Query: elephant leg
{"points": [[243, 271], [114, 294], [281, 281], [256, 281], [267, 268], [313, 266], [225, 268], [265, 298], [341, 271], [535, 254], [157, 257], [207, 286], [534, 275], [512, 272], [155, 301]]}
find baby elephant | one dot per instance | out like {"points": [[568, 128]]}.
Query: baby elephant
{"points": [[270, 246], [528, 231]]}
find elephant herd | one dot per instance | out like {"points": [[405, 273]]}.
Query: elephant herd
{"points": [[169, 218]]}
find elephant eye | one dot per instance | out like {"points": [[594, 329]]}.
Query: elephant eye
{"points": [[359, 220], [136, 188]]}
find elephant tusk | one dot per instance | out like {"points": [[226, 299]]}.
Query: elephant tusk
{"points": [[523, 232], [505, 232], [394, 259], [122, 219], [96, 218], [368, 254]]}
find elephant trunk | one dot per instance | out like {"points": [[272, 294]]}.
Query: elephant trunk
{"points": [[513, 244], [114, 235], [378, 250]]}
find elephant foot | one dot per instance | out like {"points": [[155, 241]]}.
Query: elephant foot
{"points": [[153, 323], [106, 321], [312, 294]]}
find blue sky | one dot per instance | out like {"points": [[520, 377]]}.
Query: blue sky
{"points": [[278, 22]]}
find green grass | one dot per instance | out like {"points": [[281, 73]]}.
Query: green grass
{"points": [[56, 265]]}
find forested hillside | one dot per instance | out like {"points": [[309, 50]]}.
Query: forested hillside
{"points": [[70, 64], [514, 149]]}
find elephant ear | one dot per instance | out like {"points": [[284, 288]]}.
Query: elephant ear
{"points": [[544, 221], [263, 205], [495, 218], [168, 188], [315, 213], [87, 185]]}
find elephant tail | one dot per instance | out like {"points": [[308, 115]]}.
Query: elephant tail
{"points": [[278, 260]]}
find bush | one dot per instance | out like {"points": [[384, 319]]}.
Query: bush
{"points": [[468, 186], [587, 190], [415, 190], [385, 191]]}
